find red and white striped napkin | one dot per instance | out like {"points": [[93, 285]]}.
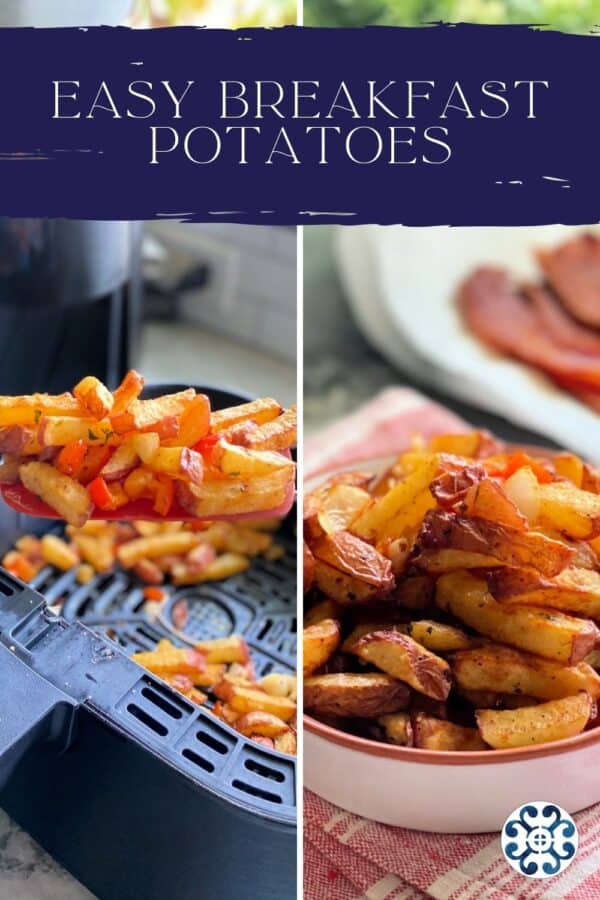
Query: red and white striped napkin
{"points": [[347, 857]]}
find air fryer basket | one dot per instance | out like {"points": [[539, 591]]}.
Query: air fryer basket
{"points": [[137, 791]]}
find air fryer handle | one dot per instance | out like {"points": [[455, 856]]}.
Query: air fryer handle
{"points": [[31, 711]]}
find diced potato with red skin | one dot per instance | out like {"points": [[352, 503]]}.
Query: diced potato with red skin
{"points": [[128, 391], [140, 483], [194, 423], [319, 642], [58, 553], [568, 509], [278, 434], [147, 415], [259, 411], [148, 572], [94, 396], [336, 508], [548, 633], [120, 464], [438, 734], [18, 441], [488, 501], [541, 724], [169, 661], [28, 410], [244, 699], [343, 588], [230, 496], [504, 670], [178, 462], [232, 649], [286, 742], [65, 495], [157, 545], [443, 530], [356, 558], [261, 723], [574, 590], [403, 658], [367, 696]]}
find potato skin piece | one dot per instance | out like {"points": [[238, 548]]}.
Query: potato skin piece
{"points": [[402, 658], [437, 734], [574, 590], [551, 721], [366, 696], [65, 495], [319, 642], [356, 558], [505, 670], [444, 530], [545, 632]]}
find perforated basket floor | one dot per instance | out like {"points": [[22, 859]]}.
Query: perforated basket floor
{"points": [[259, 604]]}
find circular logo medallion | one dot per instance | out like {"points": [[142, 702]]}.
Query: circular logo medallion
{"points": [[539, 839]]}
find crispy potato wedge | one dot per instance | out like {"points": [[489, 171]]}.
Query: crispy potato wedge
{"points": [[443, 530], [439, 734], [398, 728], [436, 562], [343, 588], [325, 609], [260, 722], [403, 658], [487, 500], [128, 391], [335, 510], [167, 661], [437, 636], [179, 463], [157, 545], [146, 415], [214, 498], [574, 590], [404, 503], [465, 444], [286, 742], [355, 558], [503, 670], [547, 633], [97, 551], [194, 423], [259, 411], [366, 696], [94, 397], [233, 649], [120, 464], [570, 510], [224, 566], [278, 434], [29, 410], [240, 462], [279, 684], [415, 592], [523, 489], [65, 495], [58, 431], [244, 699], [58, 553], [569, 466], [319, 642], [551, 721]]}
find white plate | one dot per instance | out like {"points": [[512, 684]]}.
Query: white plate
{"points": [[456, 793], [401, 284]]}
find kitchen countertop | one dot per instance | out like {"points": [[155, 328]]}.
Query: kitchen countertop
{"points": [[341, 369], [169, 352]]}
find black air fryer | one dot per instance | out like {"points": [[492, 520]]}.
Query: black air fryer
{"points": [[139, 793]]}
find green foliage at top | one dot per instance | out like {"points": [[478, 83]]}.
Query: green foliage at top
{"points": [[561, 15]]}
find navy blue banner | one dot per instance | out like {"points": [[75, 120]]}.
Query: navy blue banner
{"points": [[461, 125]]}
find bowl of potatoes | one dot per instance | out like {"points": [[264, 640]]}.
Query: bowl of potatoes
{"points": [[450, 641]]}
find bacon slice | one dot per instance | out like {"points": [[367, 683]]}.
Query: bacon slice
{"points": [[573, 271], [558, 324], [503, 318]]}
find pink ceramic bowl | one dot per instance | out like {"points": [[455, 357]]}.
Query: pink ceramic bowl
{"points": [[445, 791]]}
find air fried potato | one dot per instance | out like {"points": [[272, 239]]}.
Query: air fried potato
{"points": [[116, 449], [319, 643], [486, 615]]}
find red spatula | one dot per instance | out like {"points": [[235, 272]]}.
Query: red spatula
{"points": [[23, 501]]}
